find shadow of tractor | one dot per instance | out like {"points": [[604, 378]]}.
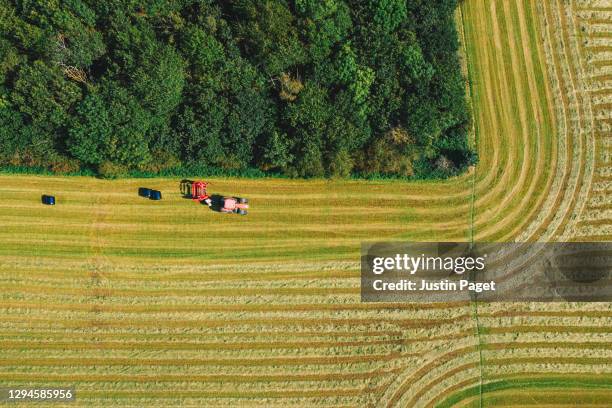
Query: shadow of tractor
{"points": [[216, 202]]}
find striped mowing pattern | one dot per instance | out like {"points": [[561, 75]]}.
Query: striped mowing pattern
{"points": [[140, 303]]}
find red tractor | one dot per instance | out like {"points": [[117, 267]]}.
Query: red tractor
{"points": [[198, 192]]}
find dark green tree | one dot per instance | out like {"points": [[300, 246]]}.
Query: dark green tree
{"points": [[306, 87], [111, 126]]}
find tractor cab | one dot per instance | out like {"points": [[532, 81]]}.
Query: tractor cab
{"points": [[229, 203]]}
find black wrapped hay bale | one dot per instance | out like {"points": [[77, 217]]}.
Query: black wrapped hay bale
{"points": [[144, 192], [155, 195], [48, 200]]}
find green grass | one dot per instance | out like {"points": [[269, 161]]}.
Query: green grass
{"points": [[522, 387]]}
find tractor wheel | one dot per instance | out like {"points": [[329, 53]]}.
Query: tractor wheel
{"points": [[243, 200]]}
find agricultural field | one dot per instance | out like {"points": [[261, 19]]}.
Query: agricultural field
{"points": [[140, 303]]}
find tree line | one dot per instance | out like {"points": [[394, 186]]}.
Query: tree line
{"points": [[299, 87]]}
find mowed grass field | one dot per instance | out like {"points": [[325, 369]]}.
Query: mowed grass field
{"points": [[140, 303]]}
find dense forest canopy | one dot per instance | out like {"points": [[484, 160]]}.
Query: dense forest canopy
{"points": [[301, 87]]}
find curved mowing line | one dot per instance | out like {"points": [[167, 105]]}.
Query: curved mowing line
{"points": [[454, 389], [482, 18], [546, 383], [525, 162], [465, 351], [540, 127], [459, 387], [509, 216], [536, 49], [499, 195]]}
